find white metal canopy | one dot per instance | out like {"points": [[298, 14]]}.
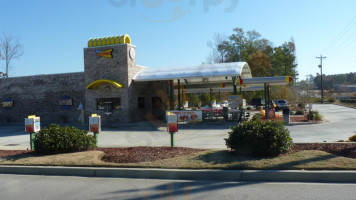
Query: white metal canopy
{"points": [[226, 89], [201, 74]]}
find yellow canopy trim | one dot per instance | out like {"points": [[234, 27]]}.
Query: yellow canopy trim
{"points": [[96, 83]]}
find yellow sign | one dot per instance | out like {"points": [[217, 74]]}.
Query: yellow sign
{"points": [[105, 54]]}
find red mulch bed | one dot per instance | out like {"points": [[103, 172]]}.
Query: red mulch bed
{"points": [[294, 118], [146, 154], [13, 152]]}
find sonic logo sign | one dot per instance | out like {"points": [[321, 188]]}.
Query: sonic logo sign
{"points": [[105, 54]]}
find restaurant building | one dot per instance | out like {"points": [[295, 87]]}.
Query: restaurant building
{"points": [[112, 85]]}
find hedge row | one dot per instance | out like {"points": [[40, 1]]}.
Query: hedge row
{"points": [[348, 100]]}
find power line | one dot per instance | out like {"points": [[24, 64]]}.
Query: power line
{"points": [[345, 44], [341, 34]]}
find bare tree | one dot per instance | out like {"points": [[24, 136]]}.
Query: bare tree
{"points": [[219, 53], [10, 48]]}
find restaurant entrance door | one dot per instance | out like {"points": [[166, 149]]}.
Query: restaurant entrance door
{"points": [[157, 108]]}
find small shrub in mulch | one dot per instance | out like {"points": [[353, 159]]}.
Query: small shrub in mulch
{"points": [[299, 112], [144, 154], [352, 138]]}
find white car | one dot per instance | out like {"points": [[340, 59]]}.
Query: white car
{"points": [[281, 104]]}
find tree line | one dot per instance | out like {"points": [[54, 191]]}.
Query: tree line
{"points": [[330, 80], [263, 58]]}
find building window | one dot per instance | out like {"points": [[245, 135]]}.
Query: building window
{"points": [[141, 102], [108, 104]]}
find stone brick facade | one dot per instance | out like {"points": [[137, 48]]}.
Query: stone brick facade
{"points": [[40, 95], [122, 69]]}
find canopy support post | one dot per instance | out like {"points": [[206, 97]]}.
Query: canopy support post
{"points": [[171, 95], [234, 83], [266, 101], [179, 94]]}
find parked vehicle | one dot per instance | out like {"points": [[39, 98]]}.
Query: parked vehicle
{"points": [[224, 104], [281, 104], [217, 110], [257, 102]]}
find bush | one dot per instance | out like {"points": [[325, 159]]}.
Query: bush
{"points": [[249, 108], [316, 115], [56, 139], [269, 138], [352, 138], [331, 100], [348, 100], [301, 105], [256, 117], [299, 112]]}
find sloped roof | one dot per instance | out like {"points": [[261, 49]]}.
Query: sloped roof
{"points": [[201, 74]]}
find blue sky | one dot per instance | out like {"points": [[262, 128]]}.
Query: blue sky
{"points": [[175, 32]]}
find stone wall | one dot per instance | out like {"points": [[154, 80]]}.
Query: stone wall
{"points": [[116, 69], [39, 95], [122, 69]]}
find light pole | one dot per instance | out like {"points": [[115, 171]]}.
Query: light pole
{"points": [[321, 76], [321, 83]]}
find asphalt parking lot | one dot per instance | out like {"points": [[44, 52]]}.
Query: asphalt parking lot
{"points": [[338, 125]]}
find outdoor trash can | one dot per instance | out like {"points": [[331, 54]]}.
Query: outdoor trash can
{"points": [[286, 115], [225, 112]]}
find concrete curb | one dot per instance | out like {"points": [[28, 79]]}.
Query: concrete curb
{"points": [[345, 105], [144, 173], [186, 174]]}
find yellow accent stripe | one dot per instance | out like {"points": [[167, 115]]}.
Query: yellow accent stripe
{"points": [[96, 83]]}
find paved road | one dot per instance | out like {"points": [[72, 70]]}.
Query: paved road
{"points": [[340, 125], [55, 187]]}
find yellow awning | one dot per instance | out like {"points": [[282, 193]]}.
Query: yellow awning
{"points": [[96, 83]]}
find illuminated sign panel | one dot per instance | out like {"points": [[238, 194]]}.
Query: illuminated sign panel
{"points": [[105, 54]]}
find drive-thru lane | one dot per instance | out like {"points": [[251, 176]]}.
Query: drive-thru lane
{"points": [[339, 125]]}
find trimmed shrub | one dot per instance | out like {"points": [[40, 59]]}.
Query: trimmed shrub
{"points": [[352, 138], [316, 114], [256, 117], [331, 100], [249, 108], [299, 112], [348, 100], [301, 105], [269, 138], [56, 139]]}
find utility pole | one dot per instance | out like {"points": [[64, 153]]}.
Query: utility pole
{"points": [[321, 76]]}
